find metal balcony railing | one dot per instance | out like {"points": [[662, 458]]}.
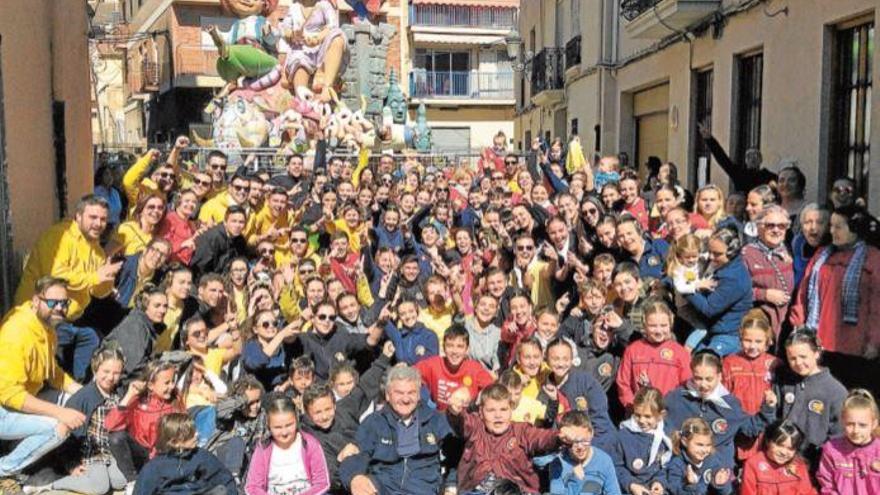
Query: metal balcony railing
{"points": [[463, 16], [464, 84], [547, 70], [573, 52], [630, 9]]}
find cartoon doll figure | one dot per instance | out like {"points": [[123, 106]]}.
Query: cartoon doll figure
{"points": [[247, 50], [317, 51]]}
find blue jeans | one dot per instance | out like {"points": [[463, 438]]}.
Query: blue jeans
{"points": [[75, 348], [38, 435], [722, 344], [205, 419]]}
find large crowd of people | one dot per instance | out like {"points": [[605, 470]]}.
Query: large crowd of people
{"points": [[532, 323]]}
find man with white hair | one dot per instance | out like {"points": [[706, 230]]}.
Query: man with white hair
{"points": [[399, 444]]}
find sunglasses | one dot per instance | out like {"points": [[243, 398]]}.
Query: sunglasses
{"points": [[442, 189], [325, 317], [238, 187], [267, 252], [591, 211], [52, 303], [775, 226], [215, 166], [510, 162], [200, 182], [200, 333], [267, 324], [843, 189], [166, 175], [299, 240], [497, 177], [525, 248]]}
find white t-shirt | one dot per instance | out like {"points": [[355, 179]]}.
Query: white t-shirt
{"points": [[287, 470]]}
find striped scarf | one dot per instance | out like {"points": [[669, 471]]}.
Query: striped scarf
{"points": [[849, 295]]}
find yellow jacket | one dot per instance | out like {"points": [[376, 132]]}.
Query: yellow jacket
{"points": [[27, 357], [261, 223], [131, 237], [214, 210], [62, 251], [134, 183]]}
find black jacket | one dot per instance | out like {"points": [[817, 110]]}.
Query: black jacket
{"points": [[136, 335], [215, 250]]}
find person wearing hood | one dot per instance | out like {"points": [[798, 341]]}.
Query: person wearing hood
{"points": [[137, 333], [704, 396]]}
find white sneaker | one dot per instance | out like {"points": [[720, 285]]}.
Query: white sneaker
{"points": [[27, 489]]}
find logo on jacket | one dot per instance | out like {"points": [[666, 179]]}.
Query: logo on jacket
{"points": [[430, 439], [817, 406], [420, 350], [511, 444], [638, 464], [386, 441], [467, 381], [666, 354], [789, 398], [605, 369], [340, 357], [581, 403], [719, 426], [653, 260], [707, 476]]}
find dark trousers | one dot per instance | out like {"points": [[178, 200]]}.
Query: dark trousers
{"points": [[232, 454], [76, 344], [130, 456]]}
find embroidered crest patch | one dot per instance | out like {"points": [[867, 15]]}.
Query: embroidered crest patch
{"points": [[604, 369], [789, 398], [581, 403], [817, 406], [638, 464], [719, 426], [666, 354], [420, 350], [430, 439]]}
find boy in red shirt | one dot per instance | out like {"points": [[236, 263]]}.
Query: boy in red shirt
{"points": [[443, 375], [497, 448]]}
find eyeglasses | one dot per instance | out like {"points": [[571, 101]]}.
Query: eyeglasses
{"points": [[325, 316], [525, 248], [774, 226], [267, 324], [51, 303]]}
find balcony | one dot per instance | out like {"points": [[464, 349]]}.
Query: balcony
{"points": [[659, 18], [195, 66], [547, 76], [462, 16], [143, 77], [573, 52], [478, 87]]}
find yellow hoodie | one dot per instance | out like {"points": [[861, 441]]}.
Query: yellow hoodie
{"points": [[135, 184], [63, 251], [213, 211], [27, 357]]}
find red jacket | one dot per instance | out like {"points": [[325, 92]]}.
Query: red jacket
{"points": [[666, 366], [747, 380], [508, 456], [512, 334], [835, 335], [762, 477], [775, 272], [639, 211], [141, 419], [176, 230], [442, 383]]}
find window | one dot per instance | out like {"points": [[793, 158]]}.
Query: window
{"points": [[528, 140], [850, 148], [532, 40], [574, 127], [748, 105], [441, 72], [702, 114]]}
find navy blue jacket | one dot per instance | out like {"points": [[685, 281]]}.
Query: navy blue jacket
{"points": [[389, 238], [414, 344], [676, 476], [187, 473], [86, 400], [326, 350], [126, 280], [391, 474], [726, 422], [653, 260], [631, 460], [725, 306], [581, 387], [269, 370]]}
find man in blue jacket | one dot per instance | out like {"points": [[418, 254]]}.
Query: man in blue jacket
{"points": [[399, 444]]}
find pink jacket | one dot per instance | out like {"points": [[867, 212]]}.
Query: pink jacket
{"points": [[316, 466], [846, 469]]}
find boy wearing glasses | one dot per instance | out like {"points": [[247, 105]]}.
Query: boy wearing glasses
{"points": [[27, 358]]}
